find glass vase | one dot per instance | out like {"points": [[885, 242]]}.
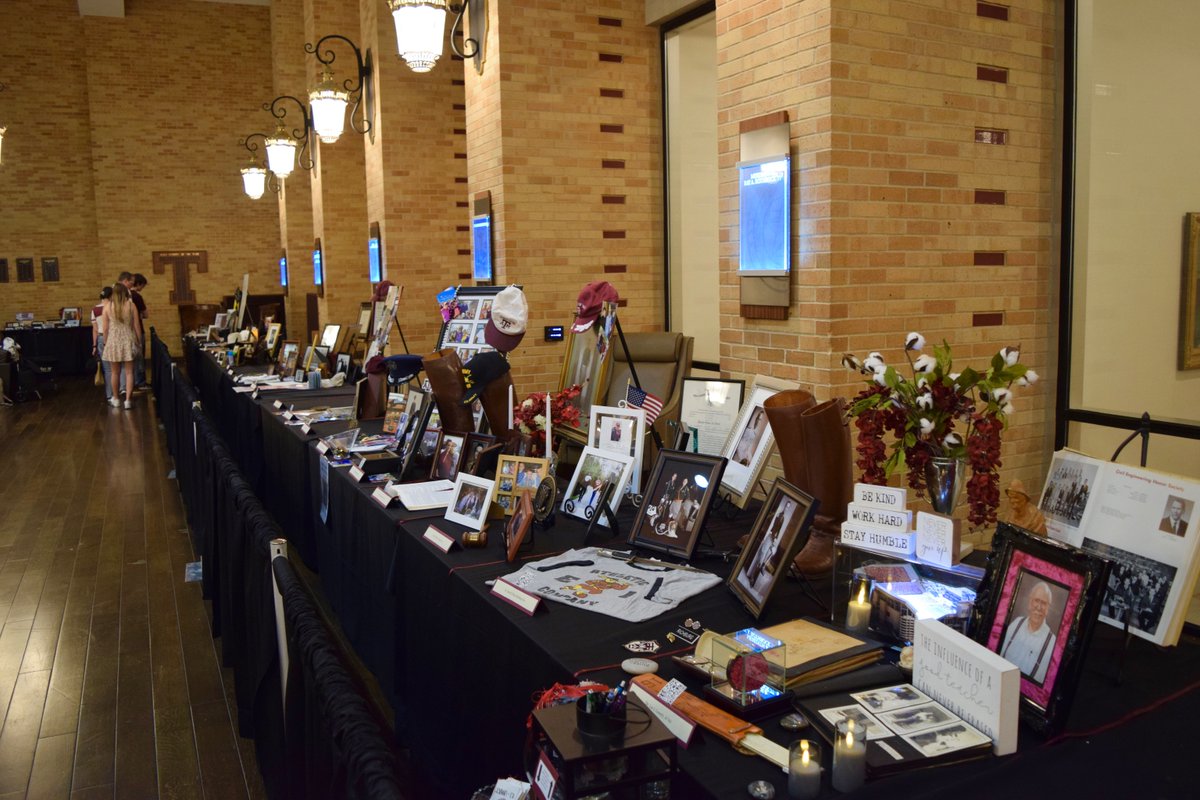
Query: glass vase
{"points": [[944, 480]]}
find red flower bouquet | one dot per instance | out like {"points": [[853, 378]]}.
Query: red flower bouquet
{"points": [[529, 418]]}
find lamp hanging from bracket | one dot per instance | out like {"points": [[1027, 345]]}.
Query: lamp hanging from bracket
{"points": [[255, 179], [328, 100], [421, 26], [285, 150]]}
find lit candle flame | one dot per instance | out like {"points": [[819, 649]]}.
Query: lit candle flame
{"points": [[862, 594], [804, 756]]}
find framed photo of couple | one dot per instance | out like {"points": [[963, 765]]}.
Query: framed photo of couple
{"points": [[779, 533], [750, 441], [595, 470], [678, 495], [1037, 607]]}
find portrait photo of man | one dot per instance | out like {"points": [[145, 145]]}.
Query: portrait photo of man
{"points": [[1175, 519], [1032, 630]]}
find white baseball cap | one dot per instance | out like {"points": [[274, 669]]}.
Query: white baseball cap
{"points": [[510, 314]]}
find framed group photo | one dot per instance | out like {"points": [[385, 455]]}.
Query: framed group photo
{"points": [[1037, 607], [620, 430], [779, 533], [517, 474], [676, 502], [595, 470], [750, 441]]}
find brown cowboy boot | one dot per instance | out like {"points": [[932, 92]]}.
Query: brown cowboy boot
{"points": [[444, 370], [784, 410], [826, 441], [494, 399]]}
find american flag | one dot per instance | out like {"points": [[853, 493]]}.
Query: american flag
{"points": [[640, 398]]}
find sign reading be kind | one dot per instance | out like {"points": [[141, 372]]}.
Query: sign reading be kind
{"points": [[972, 681]]}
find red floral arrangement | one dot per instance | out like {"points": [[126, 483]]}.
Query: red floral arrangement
{"points": [[937, 413], [529, 418]]}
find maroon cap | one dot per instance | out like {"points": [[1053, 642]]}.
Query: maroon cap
{"points": [[591, 302]]}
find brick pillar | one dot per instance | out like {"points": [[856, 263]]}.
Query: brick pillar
{"points": [[564, 128], [416, 178], [295, 201], [339, 196]]}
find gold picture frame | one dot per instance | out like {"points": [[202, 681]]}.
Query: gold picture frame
{"points": [[1189, 300], [585, 365]]}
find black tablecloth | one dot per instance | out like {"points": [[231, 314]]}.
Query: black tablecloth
{"points": [[67, 350]]}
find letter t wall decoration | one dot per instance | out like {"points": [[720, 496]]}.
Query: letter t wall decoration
{"points": [[181, 263]]}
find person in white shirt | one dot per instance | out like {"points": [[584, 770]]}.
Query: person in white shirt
{"points": [[1028, 641]]}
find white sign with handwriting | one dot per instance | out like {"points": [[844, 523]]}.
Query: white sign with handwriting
{"points": [[970, 680], [939, 539]]}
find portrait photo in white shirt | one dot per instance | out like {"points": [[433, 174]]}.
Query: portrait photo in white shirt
{"points": [[1033, 625]]}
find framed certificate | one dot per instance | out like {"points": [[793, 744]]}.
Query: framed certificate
{"points": [[711, 407]]}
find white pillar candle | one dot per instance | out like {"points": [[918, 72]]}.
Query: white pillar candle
{"points": [[858, 612], [549, 427], [804, 770], [510, 407], [849, 757]]}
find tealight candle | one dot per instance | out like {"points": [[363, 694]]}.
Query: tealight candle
{"points": [[858, 612], [804, 770], [849, 756]]}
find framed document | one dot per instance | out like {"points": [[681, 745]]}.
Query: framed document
{"points": [[711, 407]]}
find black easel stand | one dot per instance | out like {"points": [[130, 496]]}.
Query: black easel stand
{"points": [[400, 331], [603, 508], [633, 374]]}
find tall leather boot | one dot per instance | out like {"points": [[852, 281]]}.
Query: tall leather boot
{"points": [[784, 410], [494, 399], [444, 370], [826, 438]]}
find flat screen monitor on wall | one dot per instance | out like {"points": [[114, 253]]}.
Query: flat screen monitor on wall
{"points": [[374, 255], [764, 216], [481, 248], [283, 271]]}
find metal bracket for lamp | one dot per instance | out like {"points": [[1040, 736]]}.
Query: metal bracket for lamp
{"points": [[304, 157], [361, 87]]}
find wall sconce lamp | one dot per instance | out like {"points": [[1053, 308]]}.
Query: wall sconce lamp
{"points": [[255, 179], [420, 25], [328, 101], [282, 147]]}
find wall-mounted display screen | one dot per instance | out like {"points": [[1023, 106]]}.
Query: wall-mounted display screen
{"points": [[283, 271], [318, 269], [481, 241], [375, 253], [764, 216]]}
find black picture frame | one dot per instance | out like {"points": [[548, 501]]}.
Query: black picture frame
{"points": [[421, 459], [413, 431], [781, 530], [651, 529], [1020, 564]]}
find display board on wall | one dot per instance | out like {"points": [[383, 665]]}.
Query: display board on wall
{"points": [[374, 253], [481, 239]]}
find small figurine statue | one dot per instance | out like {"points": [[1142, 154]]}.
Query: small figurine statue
{"points": [[1024, 513]]}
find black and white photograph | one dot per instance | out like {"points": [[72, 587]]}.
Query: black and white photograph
{"points": [[1068, 490], [678, 494], [470, 501], [862, 720], [779, 532], [891, 698], [595, 470], [1176, 516], [1137, 587], [916, 718], [957, 736]]}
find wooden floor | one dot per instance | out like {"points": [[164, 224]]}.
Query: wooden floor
{"points": [[110, 681]]}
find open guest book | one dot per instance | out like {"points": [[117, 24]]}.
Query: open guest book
{"points": [[815, 651], [904, 727]]}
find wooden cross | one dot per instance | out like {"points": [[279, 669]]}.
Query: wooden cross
{"points": [[180, 262]]}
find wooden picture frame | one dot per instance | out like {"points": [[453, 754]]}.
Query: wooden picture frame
{"points": [[518, 525], [471, 500], [330, 335], [1030, 577], [289, 356], [1189, 300], [475, 444], [780, 531], [449, 456], [596, 469], [750, 441], [628, 426], [517, 474], [671, 502], [274, 330]]}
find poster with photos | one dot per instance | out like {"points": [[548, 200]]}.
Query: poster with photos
{"points": [[464, 319], [1143, 521]]}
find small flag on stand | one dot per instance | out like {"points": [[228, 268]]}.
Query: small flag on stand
{"points": [[640, 398]]}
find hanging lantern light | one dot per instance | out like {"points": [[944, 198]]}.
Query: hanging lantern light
{"points": [[281, 153], [328, 104], [254, 181], [420, 30]]}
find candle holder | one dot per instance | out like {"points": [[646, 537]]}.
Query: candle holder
{"points": [[858, 610], [849, 756], [804, 770]]}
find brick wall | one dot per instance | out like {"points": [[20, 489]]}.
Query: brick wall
{"points": [[564, 129], [904, 220]]}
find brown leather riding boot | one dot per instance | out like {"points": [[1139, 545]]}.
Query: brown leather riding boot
{"points": [[444, 370], [826, 438], [784, 410], [494, 399]]}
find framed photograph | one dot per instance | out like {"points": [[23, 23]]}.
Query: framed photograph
{"points": [[1037, 607], [515, 475], [595, 470], [750, 441], [449, 456], [221, 320], [780, 531], [364, 317], [620, 430], [518, 525], [1189, 301], [711, 407], [588, 363], [412, 433], [395, 412], [475, 444], [343, 365], [70, 315], [464, 319], [289, 356], [680, 490], [329, 336], [273, 332], [424, 454], [470, 501], [213, 334]]}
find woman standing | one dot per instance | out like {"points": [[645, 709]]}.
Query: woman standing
{"points": [[122, 342], [98, 338]]}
